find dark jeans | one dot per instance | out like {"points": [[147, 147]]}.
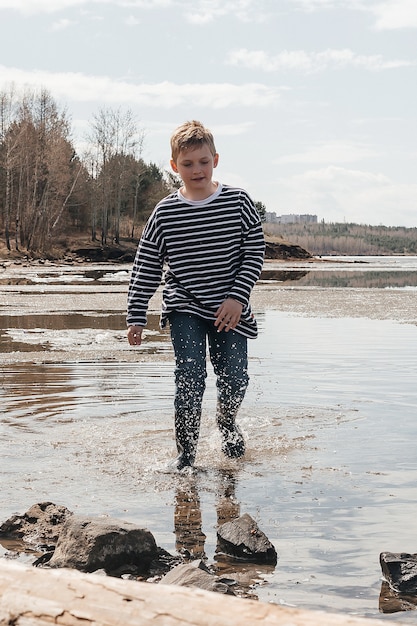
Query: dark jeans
{"points": [[229, 357]]}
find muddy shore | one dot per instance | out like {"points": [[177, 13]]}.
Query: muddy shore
{"points": [[98, 299]]}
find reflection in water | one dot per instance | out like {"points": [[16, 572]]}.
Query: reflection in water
{"points": [[282, 276], [35, 393], [228, 508], [49, 332], [188, 519], [338, 279], [353, 272], [190, 538], [61, 274], [70, 321]]}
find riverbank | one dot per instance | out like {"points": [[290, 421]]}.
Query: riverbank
{"points": [[87, 251]]}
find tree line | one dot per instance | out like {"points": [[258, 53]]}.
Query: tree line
{"points": [[48, 191], [348, 238]]}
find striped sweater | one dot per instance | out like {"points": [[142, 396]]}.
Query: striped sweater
{"points": [[210, 250]]}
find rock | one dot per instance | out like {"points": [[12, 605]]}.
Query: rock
{"points": [[285, 250], [400, 571], [89, 544], [39, 526], [196, 574], [115, 253], [243, 539]]}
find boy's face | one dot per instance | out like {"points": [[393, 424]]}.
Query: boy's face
{"points": [[195, 167]]}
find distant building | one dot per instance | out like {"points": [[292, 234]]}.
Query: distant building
{"points": [[291, 218]]}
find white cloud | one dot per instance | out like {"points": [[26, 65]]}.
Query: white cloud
{"points": [[208, 10], [40, 6], [30, 7], [62, 24], [330, 153], [82, 88], [338, 194], [229, 130], [340, 177], [395, 14], [318, 5], [195, 12], [132, 21], [390, 14], [310, 61]]}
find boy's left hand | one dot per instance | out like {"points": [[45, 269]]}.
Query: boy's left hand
{"points": [[228, 315]]}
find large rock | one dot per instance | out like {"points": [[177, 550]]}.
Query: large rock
{"points": [[400, 571], [89, 544], [243, 539], [196, 574]]}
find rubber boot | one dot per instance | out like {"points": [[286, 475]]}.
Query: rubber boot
{"points": [[187, 430], [233, 443]]}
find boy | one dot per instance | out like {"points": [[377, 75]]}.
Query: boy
{"points": [[209, 238]]}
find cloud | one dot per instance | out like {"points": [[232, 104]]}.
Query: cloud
{"points": [[389, 14], [395, 14], [30, 7], [208, 10], [318, 5], [79, 87], [310, 61], [132, 21], [339, 194], [330, 153], [62, 24], [195, 12]]}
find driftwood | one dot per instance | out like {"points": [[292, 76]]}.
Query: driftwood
{"points": [[40, 597]]}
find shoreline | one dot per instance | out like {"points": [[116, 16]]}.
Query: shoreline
{"points": [[100, 305]]}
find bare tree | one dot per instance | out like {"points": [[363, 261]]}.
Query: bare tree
{"points": [[39, 164], [114, 137], [7, 148]]}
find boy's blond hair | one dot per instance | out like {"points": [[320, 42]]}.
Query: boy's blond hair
{"points": [[191, 134]]}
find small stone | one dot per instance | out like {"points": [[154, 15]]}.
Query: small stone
{"points": [[243, 539]]}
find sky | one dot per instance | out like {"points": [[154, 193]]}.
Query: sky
{"points": [[312, 103]]}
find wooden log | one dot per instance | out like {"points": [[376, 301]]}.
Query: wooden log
{"points": [[40, 597]]}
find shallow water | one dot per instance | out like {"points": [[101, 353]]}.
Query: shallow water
{"points": [[330, 472]]}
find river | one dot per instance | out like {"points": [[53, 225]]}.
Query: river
{"points": [[330, 472]]}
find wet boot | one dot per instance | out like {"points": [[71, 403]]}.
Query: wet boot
{"points": [[233, 443], [187, 430]]}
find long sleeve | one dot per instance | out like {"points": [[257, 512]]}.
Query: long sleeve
{"points": [[252, 255], [145, 278], [211, 250]]}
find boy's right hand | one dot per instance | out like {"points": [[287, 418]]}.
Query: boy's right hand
{"points": [[134, 335]]}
